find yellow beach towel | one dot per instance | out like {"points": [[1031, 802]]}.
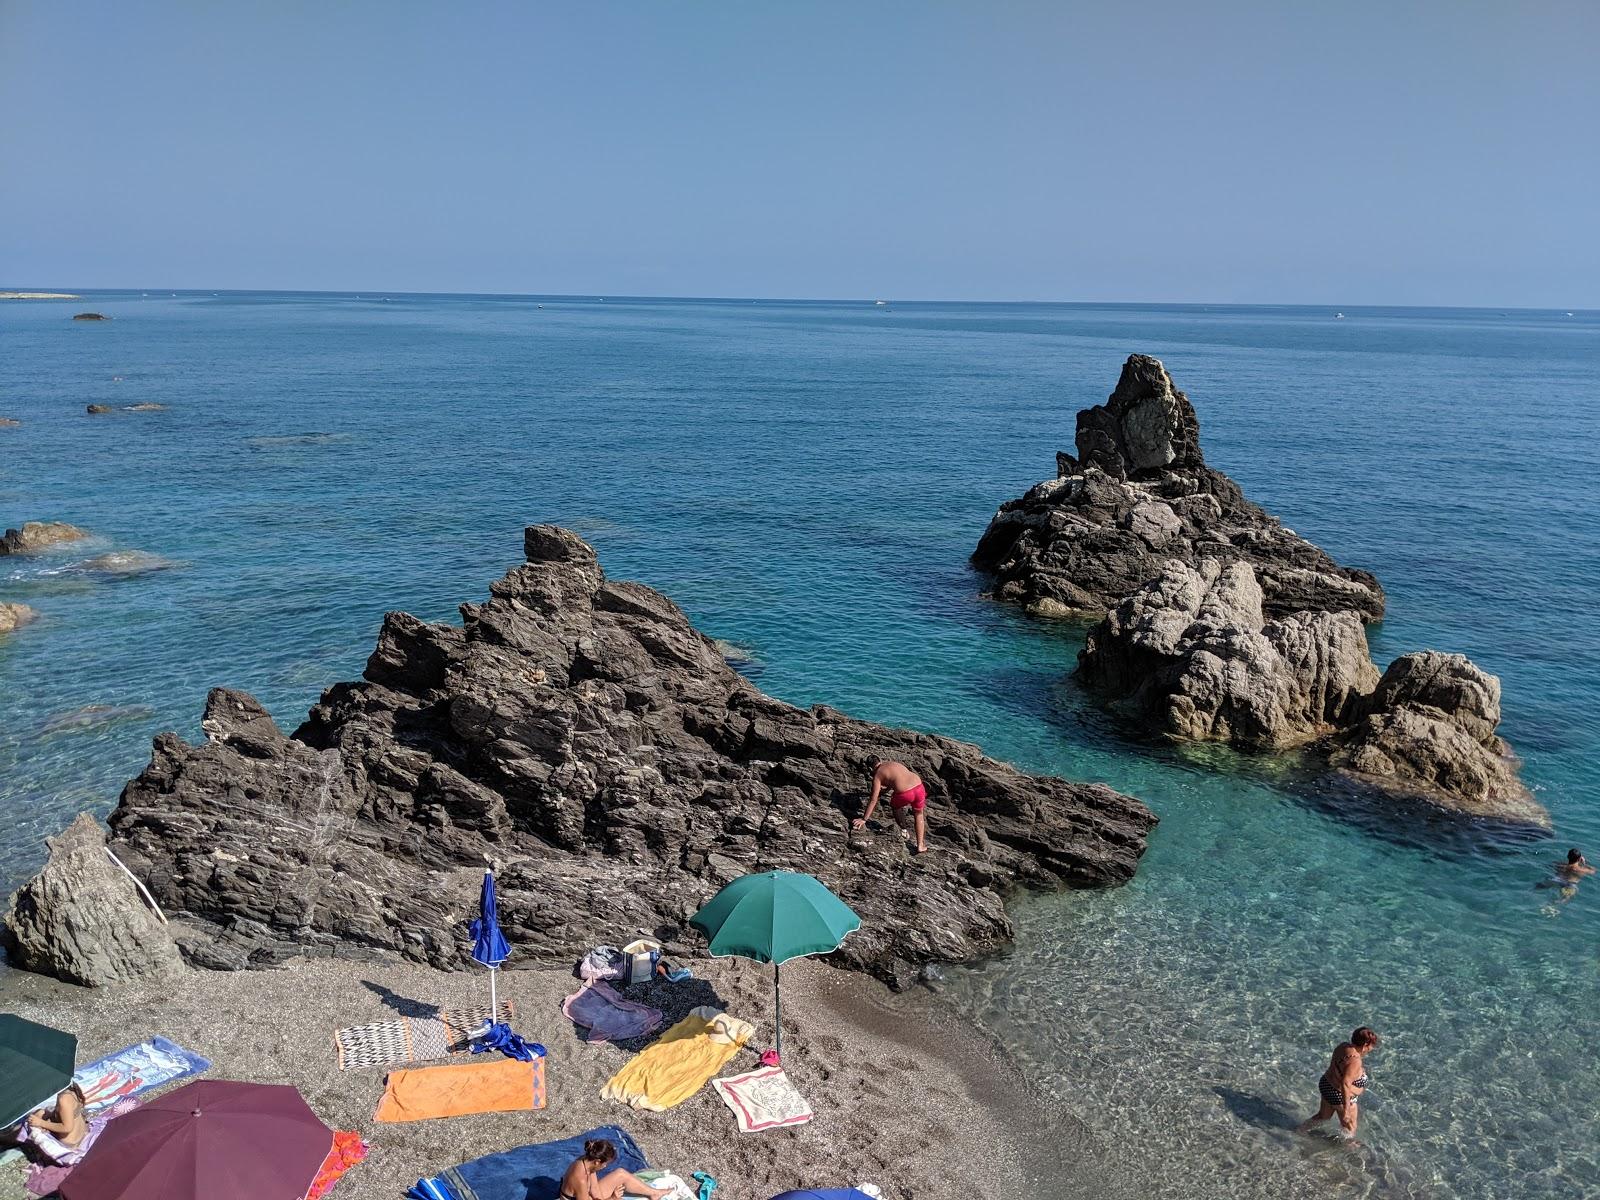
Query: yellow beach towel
{"points": [[681, 1062]]}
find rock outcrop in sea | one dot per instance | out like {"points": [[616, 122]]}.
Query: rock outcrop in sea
{"points": [[1219, 624], [36, 535], [582, 736], [1194, 653], [1137, 495]]}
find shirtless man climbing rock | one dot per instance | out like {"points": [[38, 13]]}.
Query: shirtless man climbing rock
{"points": [[907, 798]]}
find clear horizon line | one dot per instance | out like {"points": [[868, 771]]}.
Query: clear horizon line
{"points": [[596, 296]]}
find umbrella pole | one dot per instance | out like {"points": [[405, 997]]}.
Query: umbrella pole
{"points": [[777, 990], [494, 1001]]}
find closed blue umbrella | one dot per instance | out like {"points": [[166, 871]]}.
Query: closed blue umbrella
{"points": [[489, 945]]}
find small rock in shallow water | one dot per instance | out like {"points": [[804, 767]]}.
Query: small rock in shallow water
{"points": [[9, 423], [90, 316], [36, 535], [97, 409], [148, 406], [15, 616]]}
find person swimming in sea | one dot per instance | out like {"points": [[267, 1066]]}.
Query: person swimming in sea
{"points": [[1575, 868], [1565, 876], [582, 1180], [908, 799], [1344, 1082]]}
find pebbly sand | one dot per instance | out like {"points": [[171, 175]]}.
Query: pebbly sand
{"points": [[905, 1096]]}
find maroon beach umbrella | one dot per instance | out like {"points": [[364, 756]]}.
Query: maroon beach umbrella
{"points": [[205, 1141]]}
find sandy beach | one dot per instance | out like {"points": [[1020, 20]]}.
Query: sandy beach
{"points": [[905, 1097]]}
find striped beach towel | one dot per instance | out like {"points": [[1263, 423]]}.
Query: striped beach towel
{"points": [[413, 1039]]}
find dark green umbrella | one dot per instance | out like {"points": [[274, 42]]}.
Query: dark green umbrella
{"points": [[773, 917], [36, 1062]]}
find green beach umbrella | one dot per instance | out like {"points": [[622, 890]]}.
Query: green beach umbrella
{"points": [[773, 917], [36, 1062]]}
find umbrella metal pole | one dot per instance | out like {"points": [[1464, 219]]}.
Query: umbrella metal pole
{"points": [[494, 1001], [777, 989]]}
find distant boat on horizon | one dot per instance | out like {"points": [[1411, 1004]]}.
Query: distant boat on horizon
{"points": [[1338, 316], [881, 303]]}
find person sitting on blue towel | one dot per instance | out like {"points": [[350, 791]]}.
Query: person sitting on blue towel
{"points": [[582, 1180]]}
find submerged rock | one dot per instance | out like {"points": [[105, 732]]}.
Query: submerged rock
{"points": [[147, 406], [36, 535], [1138, 494], [15, 616], [583, 736], [10, 423], [1193, 652], [97, 409], [124, 564], [90, 316], [81, 918]]}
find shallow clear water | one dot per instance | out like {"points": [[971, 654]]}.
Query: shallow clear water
{"points": [[807, 480]]}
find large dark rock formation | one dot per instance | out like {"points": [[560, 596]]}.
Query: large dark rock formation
{"points": [[1193, 653], [582, 736], [81, 918], [1137, 495]]}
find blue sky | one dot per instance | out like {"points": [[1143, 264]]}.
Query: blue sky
{"points": [[1174, 150]]}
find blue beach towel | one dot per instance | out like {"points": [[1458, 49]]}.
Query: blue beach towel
{"points": [[526, 1173], [134, 1070]]}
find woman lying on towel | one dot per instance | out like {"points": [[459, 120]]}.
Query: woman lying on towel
{"points": [[61, 1131], [582, 1180]]}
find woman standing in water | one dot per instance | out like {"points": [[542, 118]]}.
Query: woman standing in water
{"points": [[1344, 1081]]}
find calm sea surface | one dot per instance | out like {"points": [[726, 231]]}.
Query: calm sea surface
{"points": [[807, 480]]}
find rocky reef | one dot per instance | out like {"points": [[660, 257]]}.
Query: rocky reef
{"points": [[1138, 494], [1194, 653], [580, 735], [36, 535]]}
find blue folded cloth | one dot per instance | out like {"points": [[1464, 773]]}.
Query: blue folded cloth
{"points": [[528, 1172], [503, 1038]]}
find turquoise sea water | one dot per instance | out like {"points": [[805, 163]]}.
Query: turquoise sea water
{"points": [[807, 480]]}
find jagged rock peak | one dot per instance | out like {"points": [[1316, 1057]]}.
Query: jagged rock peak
{"points": [[1138, 495], [1146, 426]]}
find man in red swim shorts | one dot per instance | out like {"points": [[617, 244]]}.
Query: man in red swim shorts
{"points": [[907, 798]]}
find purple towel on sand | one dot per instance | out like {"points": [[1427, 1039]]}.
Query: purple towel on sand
{"points": [[608, 1016]]}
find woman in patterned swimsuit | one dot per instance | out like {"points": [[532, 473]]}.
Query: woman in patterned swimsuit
{"points": [[1344, 1081]]}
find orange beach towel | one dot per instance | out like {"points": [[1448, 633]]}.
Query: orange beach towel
{"points": [[421, 1093]]}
